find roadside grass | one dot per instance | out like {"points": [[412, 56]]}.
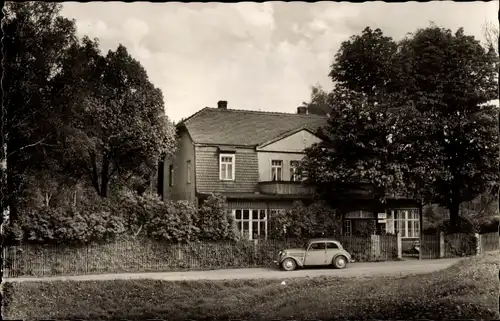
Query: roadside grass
{"points": [[468, 289]]}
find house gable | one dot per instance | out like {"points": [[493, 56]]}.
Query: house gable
{"points": [[295, 141]]}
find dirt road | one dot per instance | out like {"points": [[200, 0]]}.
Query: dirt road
{"points": [[398, 268]]}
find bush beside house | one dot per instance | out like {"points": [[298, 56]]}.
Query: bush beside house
{"points": [[214, 221], [147, 234], [306, 221], [102, 220]]}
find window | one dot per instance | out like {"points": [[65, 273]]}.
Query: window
{"points": [[188, 168], [171, 175], [331, 245], [226, 168], [294, 171], [407, 222], [276, 170], [317, 246], [251, 222], [347, 227]]}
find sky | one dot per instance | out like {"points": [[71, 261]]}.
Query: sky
{"points": [[257, 56]]}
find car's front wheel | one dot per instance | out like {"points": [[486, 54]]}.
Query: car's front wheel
{"points": [[340, 262], [288, 264]]}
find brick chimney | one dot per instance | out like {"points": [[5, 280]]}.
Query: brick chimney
{"points": [[222, 104], [302, 110]]}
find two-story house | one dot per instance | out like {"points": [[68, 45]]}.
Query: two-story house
{"points": [[251, 158]]}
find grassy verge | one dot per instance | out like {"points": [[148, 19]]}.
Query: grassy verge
{"points": [[466, 290]]}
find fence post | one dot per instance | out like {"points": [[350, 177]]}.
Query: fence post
{"points": [[441, 245], [478, 243], [255, 259], [87, 257], [375, 245], [399, 241]]}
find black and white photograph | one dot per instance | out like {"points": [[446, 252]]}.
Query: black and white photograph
{"points": [[250, 160]]}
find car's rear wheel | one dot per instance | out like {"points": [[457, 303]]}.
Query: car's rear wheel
{"points": [[340, 262], [288, 264]]}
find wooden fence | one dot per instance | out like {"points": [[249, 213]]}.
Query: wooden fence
{"points": [[430, 246], [489, 242], [459, 244], [146, 255], [440, 245]]}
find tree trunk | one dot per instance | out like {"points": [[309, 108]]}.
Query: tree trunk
{"points": [[94, 175], [454, 216], [104, 177]]}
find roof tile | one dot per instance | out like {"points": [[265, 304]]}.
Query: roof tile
{"points": [[245, 127]]}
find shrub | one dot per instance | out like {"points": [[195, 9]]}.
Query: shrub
{"points": [[364, 228], [172, 221], [68, 225], [301, 221], [148, 215], [214, 221], [92, 218]]}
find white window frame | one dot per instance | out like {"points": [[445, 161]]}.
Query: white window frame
{"points": [[250, 220], [276, 167], [294, 171], [232, 163], [188, 169], [410, 215]]}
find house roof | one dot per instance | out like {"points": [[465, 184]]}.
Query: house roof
{"points": [[217, 126]]}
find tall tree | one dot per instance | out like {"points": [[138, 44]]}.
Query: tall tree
{"points": [[119, 127], [364, 143], [34, 40], [491, 35], [429, 93], [452, 79]]}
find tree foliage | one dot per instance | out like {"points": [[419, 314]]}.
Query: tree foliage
{"points": [[318, 104], [306, 221], [214, 221], [34, 42], [366, 64], [411, 117], [74, 118], [119, 128]]}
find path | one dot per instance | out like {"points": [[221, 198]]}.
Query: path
{"points": [[397, 268]]}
